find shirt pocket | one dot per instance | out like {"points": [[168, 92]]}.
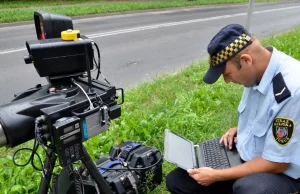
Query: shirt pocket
{"points": [[259, 131], [241, 113], [241, 107]]}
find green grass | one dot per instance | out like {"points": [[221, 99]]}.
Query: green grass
{"points": [[9, 4], [16, 11], [181, 102], [287, 43]]}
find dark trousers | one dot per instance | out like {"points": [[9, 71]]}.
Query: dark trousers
{"points": [[179, 182]]}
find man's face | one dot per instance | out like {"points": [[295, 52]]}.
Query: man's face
{"points": [[245, 75]]}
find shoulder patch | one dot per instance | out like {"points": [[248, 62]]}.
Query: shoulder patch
{"points": [[281, 91], [283, 129]]}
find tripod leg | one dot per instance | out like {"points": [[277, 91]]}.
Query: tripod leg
{"points": [[92, 168], [48, 169]]}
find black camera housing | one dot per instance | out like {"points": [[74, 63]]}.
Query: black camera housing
{"points": [[18, 117], [58, 58]]}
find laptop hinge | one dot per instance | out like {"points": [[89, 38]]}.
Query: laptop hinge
{"points": [[196, 159]]}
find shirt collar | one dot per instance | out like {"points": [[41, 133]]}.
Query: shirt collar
{"points": [[269, 74]]}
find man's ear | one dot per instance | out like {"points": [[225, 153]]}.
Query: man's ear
{"points": [[246, 60]]}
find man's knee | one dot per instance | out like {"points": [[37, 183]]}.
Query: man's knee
{"points": [[171, 181], [175, 181], [178, 181], [250, 184]]}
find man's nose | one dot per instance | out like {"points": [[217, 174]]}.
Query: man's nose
{"points": [[227, 79]]}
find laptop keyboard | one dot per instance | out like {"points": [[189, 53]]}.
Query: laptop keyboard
{"points": [[214, 154]]}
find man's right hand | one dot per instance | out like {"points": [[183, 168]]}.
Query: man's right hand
{"points": [[228, 137]]}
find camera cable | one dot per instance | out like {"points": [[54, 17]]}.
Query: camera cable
{"points": [[137, 169], [81, 182], [99, 64], [96, 187], [91, 104], [33, 151]]}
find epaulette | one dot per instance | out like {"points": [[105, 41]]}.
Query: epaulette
{"points": [[281, 91]]}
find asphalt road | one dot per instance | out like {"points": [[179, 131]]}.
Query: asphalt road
{"points": [[139, 46]]}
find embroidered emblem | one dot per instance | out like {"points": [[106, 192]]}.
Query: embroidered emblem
{"points": [[283, 130]]}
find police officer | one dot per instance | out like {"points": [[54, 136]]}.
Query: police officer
{"points": [[268, 132]]}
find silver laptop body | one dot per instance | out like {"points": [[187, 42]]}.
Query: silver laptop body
{"points": [[183, 153], [180, 151]]}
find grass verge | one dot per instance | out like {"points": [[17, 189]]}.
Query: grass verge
{"points": [[16, 11], [181, 102]]}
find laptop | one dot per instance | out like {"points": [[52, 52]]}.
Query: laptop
{"points": [[210, 153]]}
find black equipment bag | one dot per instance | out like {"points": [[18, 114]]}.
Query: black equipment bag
{"points": [[130, 168], [145, 162], [120, 179]]}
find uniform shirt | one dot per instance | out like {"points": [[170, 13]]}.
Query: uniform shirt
{"points": [[269, 129]]}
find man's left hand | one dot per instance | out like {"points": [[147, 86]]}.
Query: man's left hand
{"points": [[204, 176]]}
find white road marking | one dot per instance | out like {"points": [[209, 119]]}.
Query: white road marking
{"points": [[137, 29]]}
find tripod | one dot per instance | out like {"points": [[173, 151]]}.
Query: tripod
{"points": [[86, 160]]}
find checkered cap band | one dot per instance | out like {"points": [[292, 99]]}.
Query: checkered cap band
{"points": [[231, 50]]}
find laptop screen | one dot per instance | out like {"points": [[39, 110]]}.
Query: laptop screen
{"points": [[178, 150]]}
